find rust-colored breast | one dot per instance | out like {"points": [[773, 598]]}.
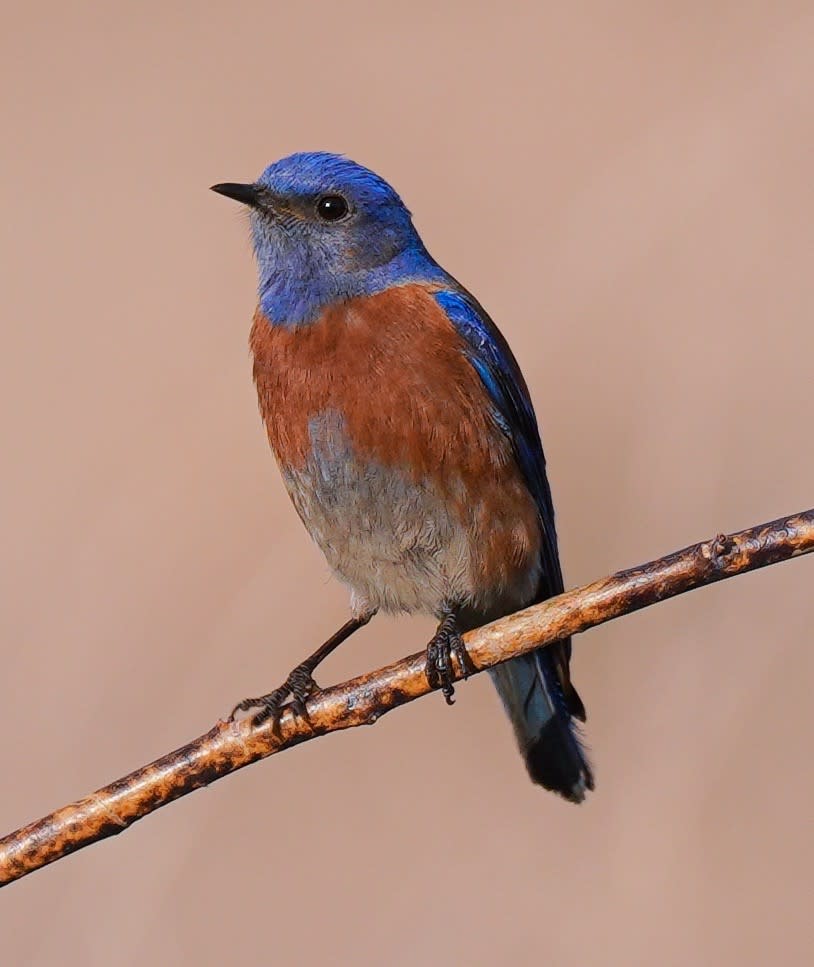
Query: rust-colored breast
{"points": [[392, 367]]}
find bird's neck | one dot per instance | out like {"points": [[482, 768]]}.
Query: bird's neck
{"points": [[293, 295]]}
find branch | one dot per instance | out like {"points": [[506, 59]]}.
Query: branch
{"points": [[229, 746]]}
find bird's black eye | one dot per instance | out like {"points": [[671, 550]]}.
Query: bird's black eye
{"points": [[331, 208]]}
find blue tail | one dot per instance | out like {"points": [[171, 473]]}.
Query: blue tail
{"points": [[543, 720]]}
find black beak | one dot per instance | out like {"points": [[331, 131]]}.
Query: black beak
{"points": [[245, 194]]}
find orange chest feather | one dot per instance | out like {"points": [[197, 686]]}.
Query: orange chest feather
{"points": [[391, 367]]}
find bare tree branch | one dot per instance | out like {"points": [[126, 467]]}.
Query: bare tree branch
{"points": [[229, 746]]}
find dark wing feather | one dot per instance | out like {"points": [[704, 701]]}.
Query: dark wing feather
{"points": [[491, 356]]}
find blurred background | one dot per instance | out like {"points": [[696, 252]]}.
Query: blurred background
{"points": [[627, 189]]}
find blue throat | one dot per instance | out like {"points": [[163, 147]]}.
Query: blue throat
{"points": [[295, 291]]}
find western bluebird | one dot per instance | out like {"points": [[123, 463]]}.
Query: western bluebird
{"points": [[406, 437]]}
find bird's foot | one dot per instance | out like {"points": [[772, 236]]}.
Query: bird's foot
{"points": [[299, 687], [300, 684], [445, 643]]}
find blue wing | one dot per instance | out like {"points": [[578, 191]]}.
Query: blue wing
{"points": [[489, 353], [536, 689], [491, 356]]}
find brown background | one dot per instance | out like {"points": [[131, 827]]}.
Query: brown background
{"points": [[627, 187]]}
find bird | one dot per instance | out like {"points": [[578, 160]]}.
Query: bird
{"points": [[407, 441]]}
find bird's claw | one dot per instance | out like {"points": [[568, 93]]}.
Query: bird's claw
{"points": [[445, 643], [299, 687]]}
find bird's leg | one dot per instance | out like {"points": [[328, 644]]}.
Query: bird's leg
{"points": [[446, 642], [300, 684]]}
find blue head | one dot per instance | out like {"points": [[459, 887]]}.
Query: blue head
{"points": [[325, 229]]}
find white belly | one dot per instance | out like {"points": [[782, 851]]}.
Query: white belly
{"points": [[399, 543]]}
